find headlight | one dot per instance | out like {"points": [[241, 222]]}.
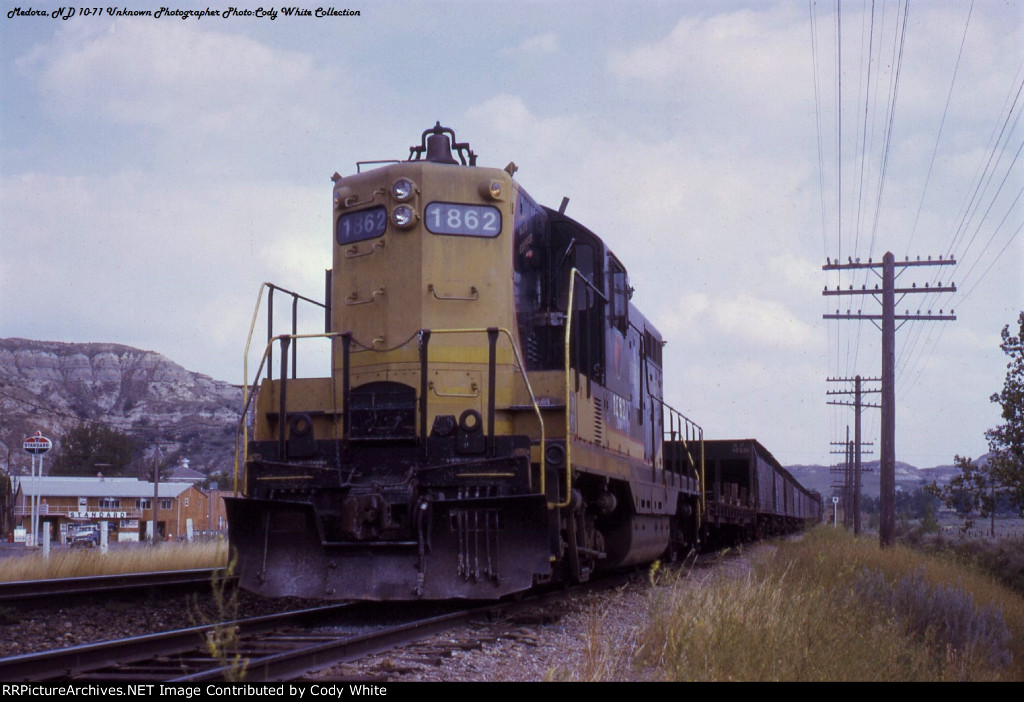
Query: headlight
{"points": [[403, 217], [403, 189]]}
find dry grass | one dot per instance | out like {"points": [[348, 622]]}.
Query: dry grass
{"points": [[829, 607], [142, 558]]}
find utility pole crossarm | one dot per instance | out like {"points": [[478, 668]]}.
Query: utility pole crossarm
{"points": [[901, 317], [852, 265], [852, 404], [899, 291]]}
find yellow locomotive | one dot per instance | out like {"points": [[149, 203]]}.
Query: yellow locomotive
{"points": [[493, 417]]}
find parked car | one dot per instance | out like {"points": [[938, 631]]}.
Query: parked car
{"points": [[85, 535]]}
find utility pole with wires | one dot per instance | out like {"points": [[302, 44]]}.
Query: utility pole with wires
{"points": [[888, 318], [846, 468], [855, 459], [852, 470]]}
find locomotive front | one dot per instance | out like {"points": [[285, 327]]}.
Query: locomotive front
{"points": [[414, 469]]}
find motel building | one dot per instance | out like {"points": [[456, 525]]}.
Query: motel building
{"points": [[125, 504]]}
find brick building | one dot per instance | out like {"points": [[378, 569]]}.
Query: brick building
{"points": [[126, 504]]}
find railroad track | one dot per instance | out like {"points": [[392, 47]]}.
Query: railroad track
{"points": [[66, 589], [274, 647]]}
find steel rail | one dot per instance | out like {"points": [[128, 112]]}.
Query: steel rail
{"points": [[108, 656], [24, 590]]}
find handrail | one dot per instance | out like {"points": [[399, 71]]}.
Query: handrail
{"points": [[699, 431], [247, 396], [570, 308], [353, 251], [245, 357], [698, 436], [353, 299], [526, 381], [473, 296], [474, 391], [284, 338]]}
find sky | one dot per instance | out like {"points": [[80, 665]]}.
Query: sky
{"points": [[155, 171]]}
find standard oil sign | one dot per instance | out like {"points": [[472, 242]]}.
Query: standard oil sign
{"points": [[38, 444]]}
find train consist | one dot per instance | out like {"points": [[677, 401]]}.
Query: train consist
{"points": [[493, 417], [751, 494]]}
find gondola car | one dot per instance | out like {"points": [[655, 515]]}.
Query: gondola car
{"points": [[750, 495]]}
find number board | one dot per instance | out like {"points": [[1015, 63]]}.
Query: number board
{"points": [[463, 220], [361, 225]]}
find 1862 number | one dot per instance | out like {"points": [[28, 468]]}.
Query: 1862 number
{"points": [[463, 220]]}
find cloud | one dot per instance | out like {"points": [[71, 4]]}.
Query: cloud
{"points": [[175, 269], [168, 75], [738, 322], [546, 43], [750, 58]]}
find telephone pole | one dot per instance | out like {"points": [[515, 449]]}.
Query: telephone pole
{"points": [[857, 404], [888, 318]]}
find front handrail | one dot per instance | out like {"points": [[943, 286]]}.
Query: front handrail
{"points": [[247, 396], [286, 339], [526, 381], [248, 344]]}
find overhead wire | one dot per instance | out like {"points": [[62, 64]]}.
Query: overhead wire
{"points": [[942, 123], [983, 179]]}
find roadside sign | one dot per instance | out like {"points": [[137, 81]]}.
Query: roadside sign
{"points": [[38, 444]]}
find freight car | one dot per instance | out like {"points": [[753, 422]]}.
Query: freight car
{"points": [[492, 417], [750, 495]]}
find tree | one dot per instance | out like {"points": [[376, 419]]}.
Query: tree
{"points": [[1007, 440], [89, 449], [983, 486]]}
